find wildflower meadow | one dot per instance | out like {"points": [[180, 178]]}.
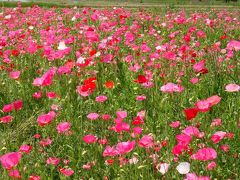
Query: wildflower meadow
{"points": [[118, 93]]}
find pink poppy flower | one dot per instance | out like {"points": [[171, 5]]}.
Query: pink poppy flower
{"points": [[205, 154], [233, 45], [199, 66], [193, 176], [137, 130], [109, 151], [175, 124], [213, 100], [46, 79], [141, 98], [171, 87], [107, 58], [66, 171], [64, 70], [46, 119], [34, 177], [192, 131], [53, 161], [218, 136], [232, 88], [87, 166], [101, 99], [10, 160], [103, 141], [125, 147], [63, 127], [106, 117], [224, 147], [25, 148], [146, 141], [51, 95], [6, 119], [129, 36], [45, 142], [216, 122], [7, 108], [89, 139], [169, 55], [92, 116], [14, 74], [179, 148], [37, 95], [203, 105], [91, 36], [211, 165], [144, 48], [121, 126], [15, 174], [194, 80], [121, 114], [183, 139], [18, 105]]}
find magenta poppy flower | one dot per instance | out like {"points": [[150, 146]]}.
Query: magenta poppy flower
{"points": [[7, 108], [34, 177], [101, 99], [192, 131], [141, 98], [37, 95], [14, 74], [66, 172], [218, 136], [46, 119], [45, 142], [15, 174], [234, 45], [25, 148], [18, 105], [89, 139], [121, 114], [10, 160], [125, 147], [211, 165], [51, 95], [6, 119], [203, 105], [53, 161], [205, 154], [46, 79], [109, 151], [63, 127], [146, 141], [175, 124]]}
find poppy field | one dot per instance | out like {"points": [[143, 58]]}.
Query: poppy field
{"points": [[115, 93]]}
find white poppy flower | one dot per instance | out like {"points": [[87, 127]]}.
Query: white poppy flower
{"points": [[163, 168], [183, 168]]}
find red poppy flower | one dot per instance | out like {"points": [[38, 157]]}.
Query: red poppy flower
{"points": [[109, 84], [191, 113], [141, 79]]}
